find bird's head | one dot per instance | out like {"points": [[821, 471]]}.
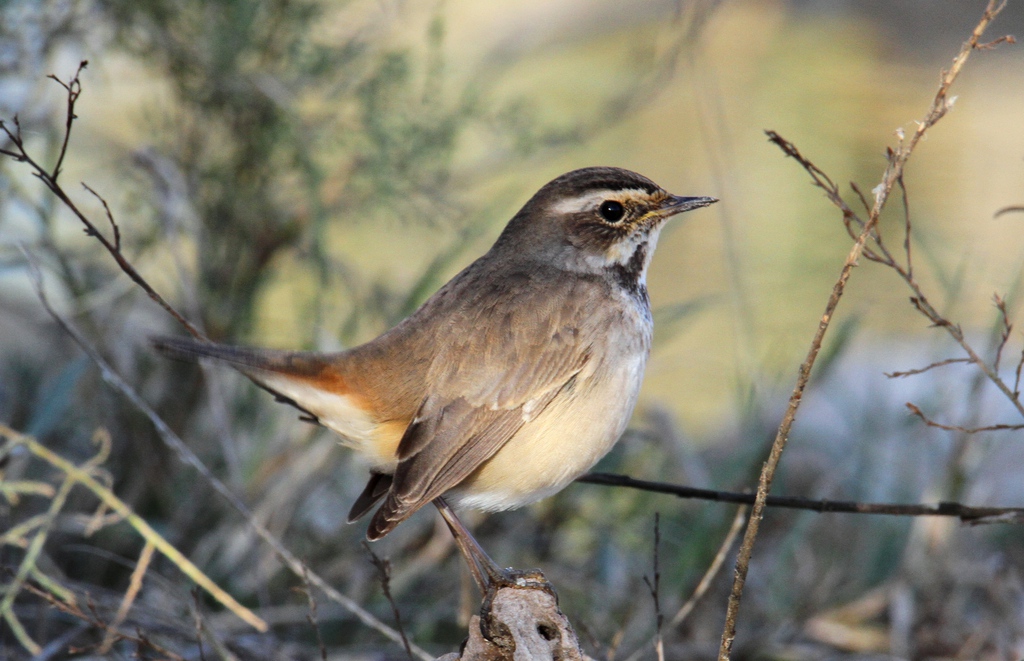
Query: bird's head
{"points": [[595, 219]]}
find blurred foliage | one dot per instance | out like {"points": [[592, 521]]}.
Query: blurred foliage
{"points": [[275, 130]]}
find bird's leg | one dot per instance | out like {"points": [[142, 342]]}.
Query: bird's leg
{"points": [[487, 574], [489, 577]]}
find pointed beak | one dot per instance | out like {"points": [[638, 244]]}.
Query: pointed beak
{"points": [[675, 204]]}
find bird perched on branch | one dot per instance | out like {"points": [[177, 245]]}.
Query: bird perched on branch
{"points": [[512, 380]]}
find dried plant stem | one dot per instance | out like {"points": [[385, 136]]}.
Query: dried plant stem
{"points": [[49, 179], [713, 569], [295, 565], [78, 475], [898, 158], [963, 430], [702, 586], [383, 567], [187, 456], [134, 585], [28, 562], [768, 471]]}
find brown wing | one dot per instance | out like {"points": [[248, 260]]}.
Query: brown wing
{"points": [[504, 360], [376, 488]]}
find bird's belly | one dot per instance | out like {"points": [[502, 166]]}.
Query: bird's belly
{"points": [[563, 442]]}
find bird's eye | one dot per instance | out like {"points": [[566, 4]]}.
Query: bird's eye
{"points": [[611, 211]]}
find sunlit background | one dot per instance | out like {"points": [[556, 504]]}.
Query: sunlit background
{"points": [[301, 175]]}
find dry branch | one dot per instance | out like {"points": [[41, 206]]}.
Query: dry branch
{"points": [[188, 457], [182, 451], [963, 430], [897, 159], [49, 179], [966, 513]]}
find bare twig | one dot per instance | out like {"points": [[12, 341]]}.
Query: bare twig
{"points": [[654, 587], [779, 445], [134, 585], [110, 216], [922, 370], [906, 226], [965, 430], [1006, 327], [74, 90], [705, 581], [966, 513], [92, 618], [384, 572], [207, 634], [1016, 374], [188, 457], [1005, 39], [49, 180], [311, 616], [897, 159]]}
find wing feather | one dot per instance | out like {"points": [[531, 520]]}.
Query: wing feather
{"points": [[508, 356]]}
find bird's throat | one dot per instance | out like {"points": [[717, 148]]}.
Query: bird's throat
{"points": [[631, 273]]}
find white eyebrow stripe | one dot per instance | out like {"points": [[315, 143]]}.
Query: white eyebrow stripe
{"points": [[590, 200]]}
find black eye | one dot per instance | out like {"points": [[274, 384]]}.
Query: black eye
{"points": [[611, 211]]}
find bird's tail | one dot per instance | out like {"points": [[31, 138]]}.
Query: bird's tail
{"points": [[288, 375]]}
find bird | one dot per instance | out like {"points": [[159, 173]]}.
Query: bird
{"points": [[509, 382]]}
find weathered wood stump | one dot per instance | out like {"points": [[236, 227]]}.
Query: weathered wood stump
{"points": [[519, 620]]}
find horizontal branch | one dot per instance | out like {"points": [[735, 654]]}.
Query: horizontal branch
{"points": [[964, 430], [965, 513]]}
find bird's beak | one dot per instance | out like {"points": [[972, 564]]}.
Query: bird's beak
{"points": [[675, 204]]}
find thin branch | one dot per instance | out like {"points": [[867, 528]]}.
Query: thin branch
{"points": [[74, 90], [50, 181], [705, 581], [922, 370], [654, 587], [197, 619], [188, 457], [1004, 331], [897, 159], [966, 513], [906, 226], [781, 437], [1005, 39], [110, 216], [1016, 374], [134, 586], [712, 571], [965, 430], [384, 572], [311, 615]]}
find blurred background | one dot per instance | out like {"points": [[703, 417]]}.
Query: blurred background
{"points": [[302, 174]]}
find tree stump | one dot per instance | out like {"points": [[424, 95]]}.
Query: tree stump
{"points": [[520, 621]]}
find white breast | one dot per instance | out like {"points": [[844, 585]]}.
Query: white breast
{"points": [[562, 443]]}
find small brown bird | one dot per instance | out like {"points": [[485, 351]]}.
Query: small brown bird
{"points": [[512, 380]]}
